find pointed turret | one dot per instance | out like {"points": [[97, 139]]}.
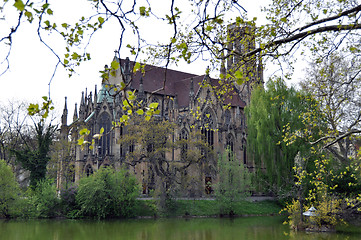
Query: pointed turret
{"points": [[64, 117], [82, 107], [95, 95], [75, 116], [127, 71], [141, 95]]}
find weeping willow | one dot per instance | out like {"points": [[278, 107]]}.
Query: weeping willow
{"points": [[273, 121]]}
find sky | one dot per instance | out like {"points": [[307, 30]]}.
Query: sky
{"points": [[32, 64]]}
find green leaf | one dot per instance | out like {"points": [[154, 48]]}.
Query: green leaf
{"points": [[153, 105], [142, 11], [29, 15], [84, 131], [75, 56], [114, 65], [49, 11], [45, 5], [19, 5], [100, 20], [238, 74], [136, 67], [101, 130], [64, 25], [140, 112], [80, 141]]}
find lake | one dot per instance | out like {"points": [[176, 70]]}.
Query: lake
{"points": [[248, 228]]}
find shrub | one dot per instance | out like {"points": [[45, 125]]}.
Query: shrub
{"points": [[68, 201], [107, 194], [44, 199], [233, 184], [9, 191]]}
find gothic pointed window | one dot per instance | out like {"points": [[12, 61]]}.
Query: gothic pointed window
{"points": [[227, 118], [104, 141], [230, 142], [244, 147], [88, 170], [208, 127], [183, 137]]}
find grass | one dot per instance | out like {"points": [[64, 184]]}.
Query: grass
{"points": [[205, 208]]}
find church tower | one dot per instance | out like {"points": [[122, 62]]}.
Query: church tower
{"points": [[241, 40]]}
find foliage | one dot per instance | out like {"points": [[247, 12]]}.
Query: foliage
{"points": [[274, 117], [335, 84], [9, 191], [36, 160], [319, 192], [44, 199], [333, 185], [151, 142], [14, 128], [234, 182], [107, 193], [68, 202], [195, 29]]}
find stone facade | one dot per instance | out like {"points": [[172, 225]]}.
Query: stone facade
{"points": [[179, 95]]}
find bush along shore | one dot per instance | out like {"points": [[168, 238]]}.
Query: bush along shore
{"points": [[110, 194]]}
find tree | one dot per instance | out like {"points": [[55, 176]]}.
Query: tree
{"points": [[14, 128], [196, 29], [35, 160], [275, 117], [335, 84], [9, 190], [107, 193], [234, 182], [151, 142]]}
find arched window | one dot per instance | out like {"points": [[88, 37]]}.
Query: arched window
{"points": [[227, 117], [88, 170], [184, 146], [104, 141], [208, 127], [230, 142], [244, 147]]}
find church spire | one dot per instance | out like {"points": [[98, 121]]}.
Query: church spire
{"points": [[64, 117], [75, 116], [141, 95], [127, 71], [82, 106], [95, 96]]}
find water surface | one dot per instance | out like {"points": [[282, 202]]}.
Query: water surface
{"points": [[248, 228]]}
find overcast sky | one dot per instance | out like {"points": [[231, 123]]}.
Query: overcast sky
{"points": [[32, 64]]}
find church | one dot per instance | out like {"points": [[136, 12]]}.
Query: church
{"points": [[220, 119]]}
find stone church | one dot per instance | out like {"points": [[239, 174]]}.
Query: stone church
{"points": [[179, 95]]}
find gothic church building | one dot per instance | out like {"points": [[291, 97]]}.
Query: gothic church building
{"points": [[178, 95]]}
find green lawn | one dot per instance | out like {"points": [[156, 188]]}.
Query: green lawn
{"points": [[206, 208]]}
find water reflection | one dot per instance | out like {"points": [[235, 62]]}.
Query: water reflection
{"points": [[269, 228]]}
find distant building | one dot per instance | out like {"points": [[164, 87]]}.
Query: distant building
{"points": [[178, 94]]}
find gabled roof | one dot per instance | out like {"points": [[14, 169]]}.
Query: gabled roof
{"points": [[175, 83]]}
